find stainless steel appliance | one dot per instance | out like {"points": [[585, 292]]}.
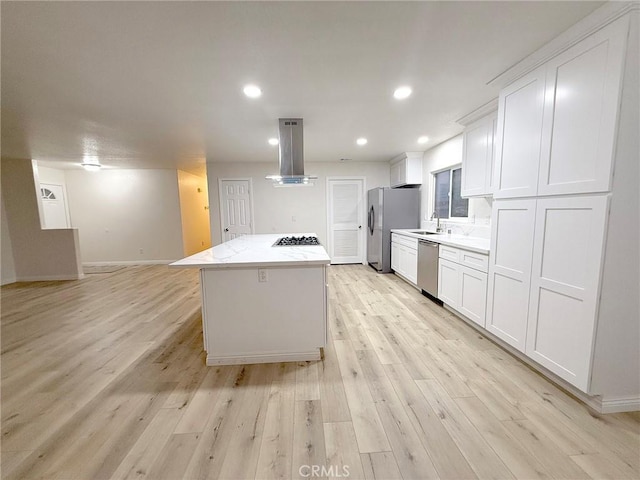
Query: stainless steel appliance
{"points": [[296, 241], [291, 153], [428, 253], [389, 208]]}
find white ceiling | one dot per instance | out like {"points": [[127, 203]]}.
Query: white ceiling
{"points": [[159, 84]]}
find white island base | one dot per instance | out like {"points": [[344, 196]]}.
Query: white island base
{"points": [[260, 303], [246, 320]]}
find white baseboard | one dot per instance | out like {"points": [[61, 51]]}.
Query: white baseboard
{"points": [[263, 358], [619, 404], [49, 278], [127, 262], [7, 281]]}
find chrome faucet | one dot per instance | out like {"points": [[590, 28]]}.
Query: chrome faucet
{"points": [[437, 217]]}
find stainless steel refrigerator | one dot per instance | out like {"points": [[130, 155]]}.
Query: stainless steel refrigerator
{"points": [[389, 208]]}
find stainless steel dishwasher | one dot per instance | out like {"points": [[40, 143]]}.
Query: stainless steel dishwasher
{"points": [[428, 267]]}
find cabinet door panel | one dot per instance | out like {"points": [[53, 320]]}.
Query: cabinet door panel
{"points": [[411, 271], [449, 283], [395, 256], [476, 148], [565, 283], [512, 235], [508, 303], [519, 133], [583, 91], [491, 170], [473, 295]]}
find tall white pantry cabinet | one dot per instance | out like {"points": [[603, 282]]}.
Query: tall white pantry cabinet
{"points": [[563, 270]]}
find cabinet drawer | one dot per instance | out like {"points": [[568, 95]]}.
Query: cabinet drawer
{"points": [[449, 253], [474, 260], [469, 259], [409, 242]]}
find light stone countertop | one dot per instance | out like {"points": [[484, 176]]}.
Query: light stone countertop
{"points": [[256, 251], [473, 244]]}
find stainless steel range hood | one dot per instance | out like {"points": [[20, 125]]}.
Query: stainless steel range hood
{"points": [[291, 154]]}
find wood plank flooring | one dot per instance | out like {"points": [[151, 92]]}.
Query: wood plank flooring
{"points": [[105, 378]]}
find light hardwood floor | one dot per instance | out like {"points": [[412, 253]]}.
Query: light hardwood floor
{"points": [[105, 378]]}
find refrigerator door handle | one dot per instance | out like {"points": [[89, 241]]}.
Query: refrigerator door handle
{"points": [[372, 219]]}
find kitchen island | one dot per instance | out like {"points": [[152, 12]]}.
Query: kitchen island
{"points": [[262, 303]]}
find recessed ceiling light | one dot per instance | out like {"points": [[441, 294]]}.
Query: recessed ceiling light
{"points": [[91, 167], [402, 92], [361, 141], [252, 91], [423, 139], [273, 141]]}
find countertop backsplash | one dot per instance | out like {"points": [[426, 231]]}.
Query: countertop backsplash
{"points": [[480, 229]]}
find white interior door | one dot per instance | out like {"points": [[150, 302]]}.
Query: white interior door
{"points": [[54, 206], [236, 216], [345, 212]]}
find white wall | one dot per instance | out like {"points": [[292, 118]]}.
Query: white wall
{"points": [[121, 212], [275, 208], [445, 155], [38, 254], [8, 274], [51, 175], [194, 198]]}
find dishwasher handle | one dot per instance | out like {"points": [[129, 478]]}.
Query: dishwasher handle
{"points": [[427, 243]]}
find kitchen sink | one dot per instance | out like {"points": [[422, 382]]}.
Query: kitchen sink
{"points": [[423, 232]]}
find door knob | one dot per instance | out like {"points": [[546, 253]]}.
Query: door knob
{"points": [[226, 229], [359, 226]]}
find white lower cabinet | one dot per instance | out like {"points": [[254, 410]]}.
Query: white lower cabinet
{"points": [[409, 263], [473, 294], [395, 256], [404, 257], [461, 287], [567, 257], [449, 282], [512, 227], [544, 274]]}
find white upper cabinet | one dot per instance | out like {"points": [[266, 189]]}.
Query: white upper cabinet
{"points": [[491, 164], [406, 169], [557, 125], [477, 157], [518, 136], [579, 127], [567, 259]]}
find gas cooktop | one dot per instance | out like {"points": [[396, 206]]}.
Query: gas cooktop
{"points": [[296, 241]]}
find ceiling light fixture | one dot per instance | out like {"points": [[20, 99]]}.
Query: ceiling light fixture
{"points": [[273, 141], [402, 92], [91, 166], [361, 141], [252, 91], [423, 139]]}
